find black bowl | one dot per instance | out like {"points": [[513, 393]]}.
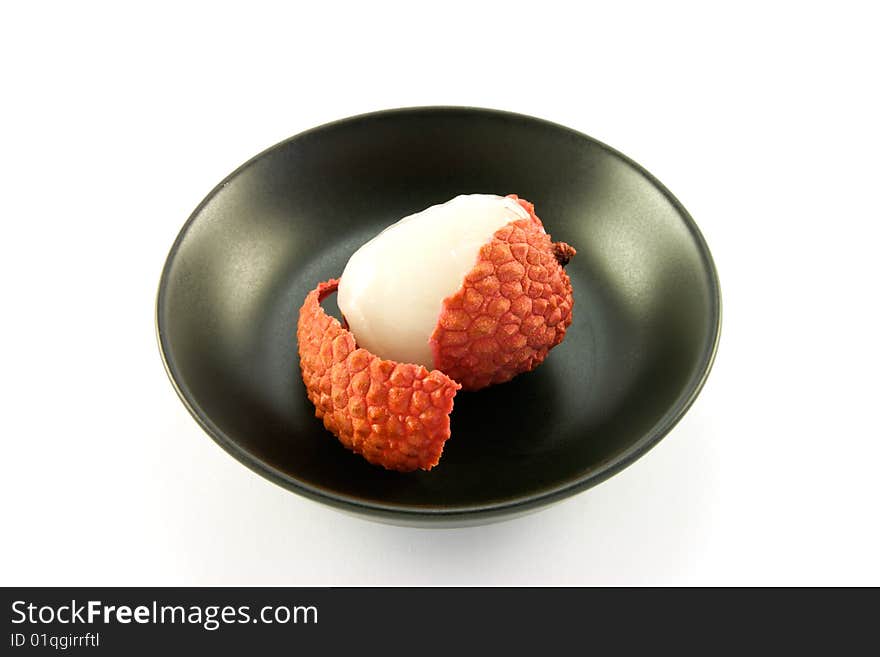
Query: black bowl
{"points": [[646, 316]]}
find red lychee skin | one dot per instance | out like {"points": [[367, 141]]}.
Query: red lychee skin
{"points": [[512, 309], [393, 414]]}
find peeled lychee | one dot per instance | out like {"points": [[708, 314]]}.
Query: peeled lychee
{"points": [[472, 289]]}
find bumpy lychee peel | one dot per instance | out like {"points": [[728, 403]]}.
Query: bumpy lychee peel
{"points": [[393, 414], [513, 307]]}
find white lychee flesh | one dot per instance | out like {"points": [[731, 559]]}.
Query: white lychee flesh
{"points": [[392, 289]]}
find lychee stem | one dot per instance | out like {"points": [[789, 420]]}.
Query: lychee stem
{"points": [[563, 252]]}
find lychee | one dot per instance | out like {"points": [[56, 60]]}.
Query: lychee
{"points": [[472, 289]]}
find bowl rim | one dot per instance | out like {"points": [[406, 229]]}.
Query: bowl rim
{"points": [[511, 506]]}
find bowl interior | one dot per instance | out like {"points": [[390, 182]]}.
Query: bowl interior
{"points": [[645, 315]]}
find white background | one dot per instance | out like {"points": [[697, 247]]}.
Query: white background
{"points": [[762, 119]]}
